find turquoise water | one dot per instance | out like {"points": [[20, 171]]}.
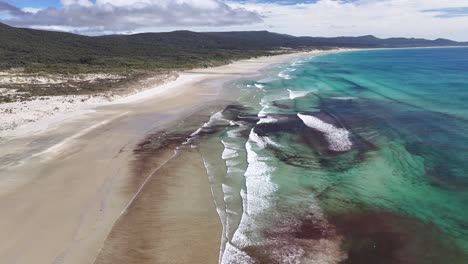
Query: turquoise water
{"points": [[353, 157]]}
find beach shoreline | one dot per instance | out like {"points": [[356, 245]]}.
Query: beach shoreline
{"points": [[25, 117], [70, 177]]}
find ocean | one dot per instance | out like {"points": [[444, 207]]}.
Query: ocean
{"points": [[348, 157]]}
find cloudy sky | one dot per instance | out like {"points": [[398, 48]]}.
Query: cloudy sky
{"points": [[383, 18]]}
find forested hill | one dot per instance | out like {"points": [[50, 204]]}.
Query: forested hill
{"points": [[39, 50]]}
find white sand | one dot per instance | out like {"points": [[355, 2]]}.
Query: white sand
{"points": [[21, 118], [21, 78], [16, 117]]}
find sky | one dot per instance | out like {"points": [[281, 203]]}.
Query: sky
{"points": [[383, 18]]}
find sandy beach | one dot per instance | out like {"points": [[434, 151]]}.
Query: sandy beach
{"points": [[84, 186]]}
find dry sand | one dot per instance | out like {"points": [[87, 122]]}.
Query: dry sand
{"points": [[65, 183]]}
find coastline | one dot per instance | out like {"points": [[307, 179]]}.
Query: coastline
{"points": [[70, 177], [23, 118]]}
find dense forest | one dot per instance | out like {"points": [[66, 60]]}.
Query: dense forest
{"points": [[38, 50]]}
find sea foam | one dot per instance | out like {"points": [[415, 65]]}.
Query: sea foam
{"points": [[344, 98], [259, 86], [284, 75], [261, 216], [338, 138], [267, 120], [297, 94], [254, 137]]}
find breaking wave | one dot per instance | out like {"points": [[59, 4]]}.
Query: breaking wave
{"points": [[337, 138], [297, 94]]}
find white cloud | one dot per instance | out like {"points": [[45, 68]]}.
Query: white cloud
{"points": [[66, 3], [31, 10], [134, 15], [384, 18]]}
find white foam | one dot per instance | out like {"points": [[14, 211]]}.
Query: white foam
{"points": [[267, 119], [231, 145], [297, 63], [232, 169], [267, 107], [344, 98], [256, 200], [284, 75], [267, 80], [297, 94], [259, 86], [262, 142], [270, 142], [258, 180], [229, 153], [233, 255], [338, 138], [216, 118], [254, 137], [196, 132], [259, 203]]}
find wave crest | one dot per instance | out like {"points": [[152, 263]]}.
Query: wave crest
{"points": [[297, 94], [337, 138]]}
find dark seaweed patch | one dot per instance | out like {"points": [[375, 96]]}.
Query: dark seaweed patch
{"points": [[161, 140], [307, 227], [362, 144], [248, 118], [316, 140], [358, 88], [341, 71], [287, 123], [281, 104], [434, 138], [444, 177], [313, 228], [290, 123], [295, 159], [232, 111], [352, 86], [152, 152], [296, 239], [390, 238], [236, 107]]}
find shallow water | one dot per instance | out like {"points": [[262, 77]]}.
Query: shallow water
{"points": [[354, 157]]}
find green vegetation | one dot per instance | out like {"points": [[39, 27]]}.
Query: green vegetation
{"points": [[58, 52]]}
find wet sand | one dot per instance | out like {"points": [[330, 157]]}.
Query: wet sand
{"points": [[72, 193], [173, 220]]}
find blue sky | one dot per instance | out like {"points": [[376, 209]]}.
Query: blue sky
{"points": [[56, 3], [383, 18], [35, 4]]}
